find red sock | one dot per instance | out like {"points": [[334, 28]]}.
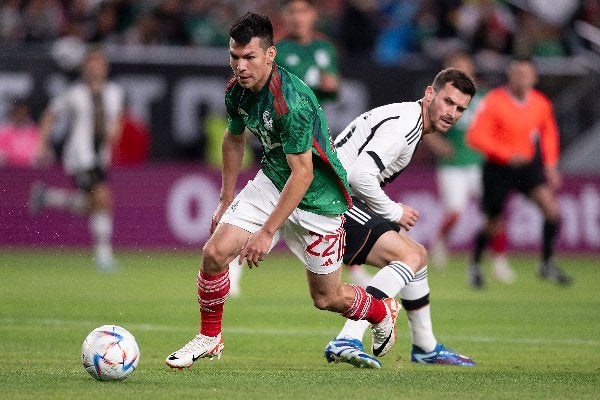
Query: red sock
{"points": [[365, 306], [448, 222], [499, 243], [212, 292]]}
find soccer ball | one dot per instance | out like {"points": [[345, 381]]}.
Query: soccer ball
{"points": [[109, 353]]}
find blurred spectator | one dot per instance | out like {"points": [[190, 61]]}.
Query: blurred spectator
{"points": [[10, 20], [359, 27], [42, 20], [206, 22], [146, 30], [397, 33], [19, 137], [486, 25], [170, 17], [306, 52], [105, 27]]}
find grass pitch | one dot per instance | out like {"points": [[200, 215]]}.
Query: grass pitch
{"points": [[532, 339]]}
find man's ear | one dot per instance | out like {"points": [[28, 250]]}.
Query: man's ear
{"points": [[271, 53], [429, 93]]}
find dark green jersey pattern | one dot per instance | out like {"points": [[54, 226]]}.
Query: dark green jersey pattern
{"points": [[308, 61], [287, 119]]}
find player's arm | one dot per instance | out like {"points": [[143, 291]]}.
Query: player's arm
{"points": [[115, 130], [45, 154], [364, 172], [550, 147], [294, 190], [233, 152]]}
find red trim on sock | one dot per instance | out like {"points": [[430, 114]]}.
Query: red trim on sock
{"points": [[212, 293], [365, 306]]}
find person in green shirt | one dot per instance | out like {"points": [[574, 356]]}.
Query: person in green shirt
{"points": [[299, 194], [306, 52]]}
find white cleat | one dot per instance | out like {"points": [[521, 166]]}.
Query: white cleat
{"points": [[384, 333], [199, 347]]}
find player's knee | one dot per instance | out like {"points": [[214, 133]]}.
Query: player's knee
{"points": [[325, 302], [415, 257], [214, 259]]}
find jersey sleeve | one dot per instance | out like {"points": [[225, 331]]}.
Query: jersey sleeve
{"points": [[235, 121], [549, 135], [383, 150], [297, 126]]}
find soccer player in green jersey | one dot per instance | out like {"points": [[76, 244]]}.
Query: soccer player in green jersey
{"points": [[306, 52], [299, 194]]}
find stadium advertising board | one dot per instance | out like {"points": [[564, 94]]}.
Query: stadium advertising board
{"points": [[170, 205]]}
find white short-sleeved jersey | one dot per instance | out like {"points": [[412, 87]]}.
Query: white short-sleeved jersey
{"points": [[375, 148], [77, 102]]}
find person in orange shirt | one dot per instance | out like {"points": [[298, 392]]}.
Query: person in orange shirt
{"points": [[513, 120]]}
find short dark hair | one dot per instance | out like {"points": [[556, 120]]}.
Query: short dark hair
{"points": [[457, 78], [252, 25]]}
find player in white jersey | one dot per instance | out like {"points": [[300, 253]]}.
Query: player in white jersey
{"points": [[94, 107], [374, 149]]}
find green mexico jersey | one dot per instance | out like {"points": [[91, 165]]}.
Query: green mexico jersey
{"points": [[307, 61], [287, 119], [463, 154]]}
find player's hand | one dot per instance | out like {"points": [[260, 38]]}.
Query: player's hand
{"points": [[409, 218], [256, 247], [554, 177], [517, 160]]}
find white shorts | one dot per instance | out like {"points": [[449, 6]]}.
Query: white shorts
{"points": [[457, 185], [317, 240]]}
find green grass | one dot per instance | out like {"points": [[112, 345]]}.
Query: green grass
{"points": [[531, 339]]}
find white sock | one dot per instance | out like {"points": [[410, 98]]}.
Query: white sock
{"points": [[235, 276], [392, 278], [419, 320], [101, 227], [354, 329], [65, 199]]}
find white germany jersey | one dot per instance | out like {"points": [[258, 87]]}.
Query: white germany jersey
{"points": [[375, 148], [77, 103]]}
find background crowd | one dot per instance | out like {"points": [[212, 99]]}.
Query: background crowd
{"points": [[385, 29]]}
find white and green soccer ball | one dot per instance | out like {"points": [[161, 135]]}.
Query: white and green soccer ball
{"points": [[110, 352]]}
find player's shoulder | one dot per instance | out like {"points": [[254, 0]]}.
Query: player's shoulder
{"points": [[539, 96], [290, 92], [405, 110]]}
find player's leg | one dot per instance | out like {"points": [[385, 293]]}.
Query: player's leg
{"points": [[415, 300], [252, 207], [544, 197], [42, 197], [235, 276], [496, 188], [101, 225], [454, 188], [425, 348], [213, 287], [319, 240]]}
